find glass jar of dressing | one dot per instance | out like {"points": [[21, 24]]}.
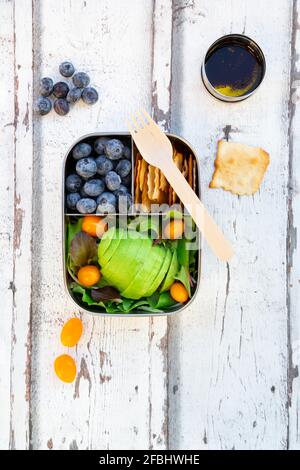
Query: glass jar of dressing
{"points": [[233, 68]]}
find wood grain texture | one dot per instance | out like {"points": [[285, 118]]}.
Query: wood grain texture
{"points": [[6, 212], [17, 76], [293, 269], [228, 352]]}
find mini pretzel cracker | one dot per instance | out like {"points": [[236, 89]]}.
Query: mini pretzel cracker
{"points": [[137, 182], [190, 174], [239, 168], [194, 175], [143, 171], [151, 181]]}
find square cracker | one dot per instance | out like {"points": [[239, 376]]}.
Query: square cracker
{"points": [[239, 168]]}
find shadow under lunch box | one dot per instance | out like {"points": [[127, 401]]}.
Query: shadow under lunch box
{"points": [[70, 217]]}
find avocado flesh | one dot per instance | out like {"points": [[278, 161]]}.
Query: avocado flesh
{"points": [[110, 249], [173, 270], [106, 240], [161, 274], [125, 262], [146, 274]]}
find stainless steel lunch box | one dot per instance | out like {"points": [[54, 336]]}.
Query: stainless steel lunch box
{"points": [[66, 163]]}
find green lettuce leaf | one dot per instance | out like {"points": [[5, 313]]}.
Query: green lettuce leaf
{"points": [[183, 276]]}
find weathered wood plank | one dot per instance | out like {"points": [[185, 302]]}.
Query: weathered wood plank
{"points": [[293, 253], [16, 184], [118, 400], [228, 353], [6, 211], [23, 162]]}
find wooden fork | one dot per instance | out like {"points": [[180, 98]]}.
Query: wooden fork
{"points": [[156, 149]]}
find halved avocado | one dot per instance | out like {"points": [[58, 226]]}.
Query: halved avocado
{"points": [[153, 261], [173, 270], [125, 262], [161, 274]]}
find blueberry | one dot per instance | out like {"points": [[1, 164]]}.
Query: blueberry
{"points": [[123, 168], [99, 145], [86, 206], [94, 187], [81, 150], [66, 69], [44, 106], [114, 149], [81, 79], [124, 203], [61, 106], [127, 180], [73, 183], [89, 95], [122, 191], [46, 86], [112, 180], [86, 167], [104, 165], [74, 95], [72, 200], [83, 193], [106, 203], [127, 153], [60, 89]]}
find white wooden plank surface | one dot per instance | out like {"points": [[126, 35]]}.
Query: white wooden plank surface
{"points": [[222, 375], [18, 187], [6, 212], [229, 350], [293, 253]]}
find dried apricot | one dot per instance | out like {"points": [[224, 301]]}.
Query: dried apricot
{"points": [[65, 368], [179, 292], [89, 275], [94, 226], [71, 332], [174, 229]]}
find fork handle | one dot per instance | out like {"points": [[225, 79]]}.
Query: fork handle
{"points": [[209, 229]]}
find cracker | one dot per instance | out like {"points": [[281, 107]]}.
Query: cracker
{"points": [[145, 199], [163, 183], [156, 192], [143, 171], [239, 168], [190, 174], [151, 181], [194, 175], [137, 190], [185, 168]]}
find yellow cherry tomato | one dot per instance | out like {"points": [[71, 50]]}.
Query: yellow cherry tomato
{"points": [[89, 275], [174, 229], [71, 332], [65, 368], [179, 293], [94, 226]]}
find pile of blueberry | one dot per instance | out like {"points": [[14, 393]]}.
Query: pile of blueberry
{"points": [[101, 179], [63, 94]]}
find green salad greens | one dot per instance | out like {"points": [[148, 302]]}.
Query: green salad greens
{"points": [[138, 266]]}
